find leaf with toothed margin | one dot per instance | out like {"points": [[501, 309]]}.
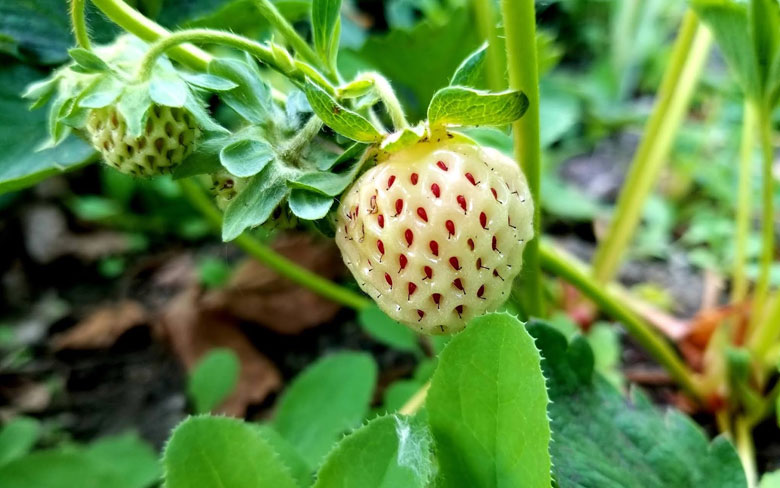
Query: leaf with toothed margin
{"points": [[458, 105], [470, 70], [339, 118], [309, 205], [487, 407], [392, 451], [403, 138], [207, 81]]}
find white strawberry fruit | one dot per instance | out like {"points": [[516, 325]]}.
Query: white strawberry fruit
{"points": [[168, 138], [435, 234]]}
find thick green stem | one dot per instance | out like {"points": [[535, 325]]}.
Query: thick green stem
{"points": [[690, 52], [520, 29], [767, 207], [272, 259], [485, 14], [387, 95], [739, 284], [79, 22], [746, 450], [302, 138], [132, 21], [571, 270]]}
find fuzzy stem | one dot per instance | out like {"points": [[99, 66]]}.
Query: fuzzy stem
{"points": [[690, 51], [739, 285], [388, 97], [79, 22], [275, 261], [413, 405], [485, 14], [520, 29], [302, 138], [132, 21], [746, 450], [571, 270], [261, 52]]}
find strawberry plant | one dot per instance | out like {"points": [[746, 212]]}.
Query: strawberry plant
{"points": [[439, 222]]}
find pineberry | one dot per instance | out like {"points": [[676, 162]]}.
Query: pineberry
{"points": [[169, 137], [435, 234]]}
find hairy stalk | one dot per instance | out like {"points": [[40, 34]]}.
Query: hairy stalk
{"points": [[302, 138], [520, 29], [388, 97], [79, 22], [690, 52], [264, 53], [298, 275], [739, 285], [486, 20], [571, 270]]}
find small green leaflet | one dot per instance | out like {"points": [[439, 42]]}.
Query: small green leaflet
{"points": [[309, 205], [388, 452], [457, 105], [102, 93], [210, 82], [342, 120], [386, 330], [168, 89], [764, 25], [17, 438], [134, 106], [470, 69], [487, 407], [326, 27], [326, 182], [87, 61], [214, 377], [246, 157], [221, 452], [252, 97]]}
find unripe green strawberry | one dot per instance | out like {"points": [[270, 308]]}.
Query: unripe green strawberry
{"points": [[435, 234], [226, 187], [168, 138]]}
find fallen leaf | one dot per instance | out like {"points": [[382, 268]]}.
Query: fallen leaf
{"points": [[102, 327]]}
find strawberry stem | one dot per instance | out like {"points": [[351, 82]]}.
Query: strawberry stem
{"points": [[79, 22], [739, 285], [387, 95]]}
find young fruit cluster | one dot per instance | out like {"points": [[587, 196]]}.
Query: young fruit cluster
{"points": [[168, 138], [435, 234]]}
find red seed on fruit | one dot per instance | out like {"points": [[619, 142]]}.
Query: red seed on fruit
{"points": [[441, 165], [420, 313], [434, 247], [454, 263], [414, 178], [462, 202], [402, 261], [458, 284], [450, 225], [479, 263], [411, 289], [436, 299], [495, 244], [381, 221], [495, 193], [483, 220], [422, 214], [470, 177], [436, 191], [381, 246], [390, 181], [399, 205], [409, 236], [481, 291], [459, 310], [495, 273], [428, 272], [389, 280], [471, 244]]}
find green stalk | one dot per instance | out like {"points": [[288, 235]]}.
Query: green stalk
{"points": [[79, 22], [387, 95], [746, 450], [571, 270], [520, 29], [485, 14], [690, 52], [298, 275], [739, 284], [134, 22], [767, 207]]}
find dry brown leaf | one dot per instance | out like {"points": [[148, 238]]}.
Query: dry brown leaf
{"points": [[194, 330], [259, 295], [103, 327]]}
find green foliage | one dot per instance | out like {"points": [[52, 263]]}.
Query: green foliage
{"points": [[17, 438], [344, 121], [388, 452], [386, 330], [470, 70], [252, 97], [246, 157], [488, 407], [308, 205], [220, 452], [212, 379], [325, 401], [457, 105], [326, 27]]}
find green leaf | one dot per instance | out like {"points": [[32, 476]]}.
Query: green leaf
{"points": [[729, 23], [342, 120], [309, 205], [246, 157], [388, 452], [770, 480], [205, 158], [88, 60], [326, 182], [325, 24], [470, 70], [102, 93], [487, 407], [207, 81], [262, 194], [17, 438], [764, 25], [221, 452], [134, 106], [195, 107], [602, 439], [41, 91], [386, 330], [457, 105], [214, 378], [326, 400], [21, 131], [287, 454], [168, 89], [252, 97], [127, 458], [352, 152]]}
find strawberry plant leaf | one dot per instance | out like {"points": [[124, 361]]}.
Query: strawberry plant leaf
{"points": [[392, 451], [770, 480], [326, 25], [205, 158], [386, 330], [764, 26], [168, 89], [326, 400], [214, 377], [457, 105], [17, 438], [221, 452], [252, 97], [209, 82], [88, 61], [352, 152], [287, 454], [602, 439], [309, 205], [246, 157], [134, 106], [470, 70], [487, 407], [195, 107], [262, 194], [326, 182], [342, 120], [139, 467], [102, 93]]}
